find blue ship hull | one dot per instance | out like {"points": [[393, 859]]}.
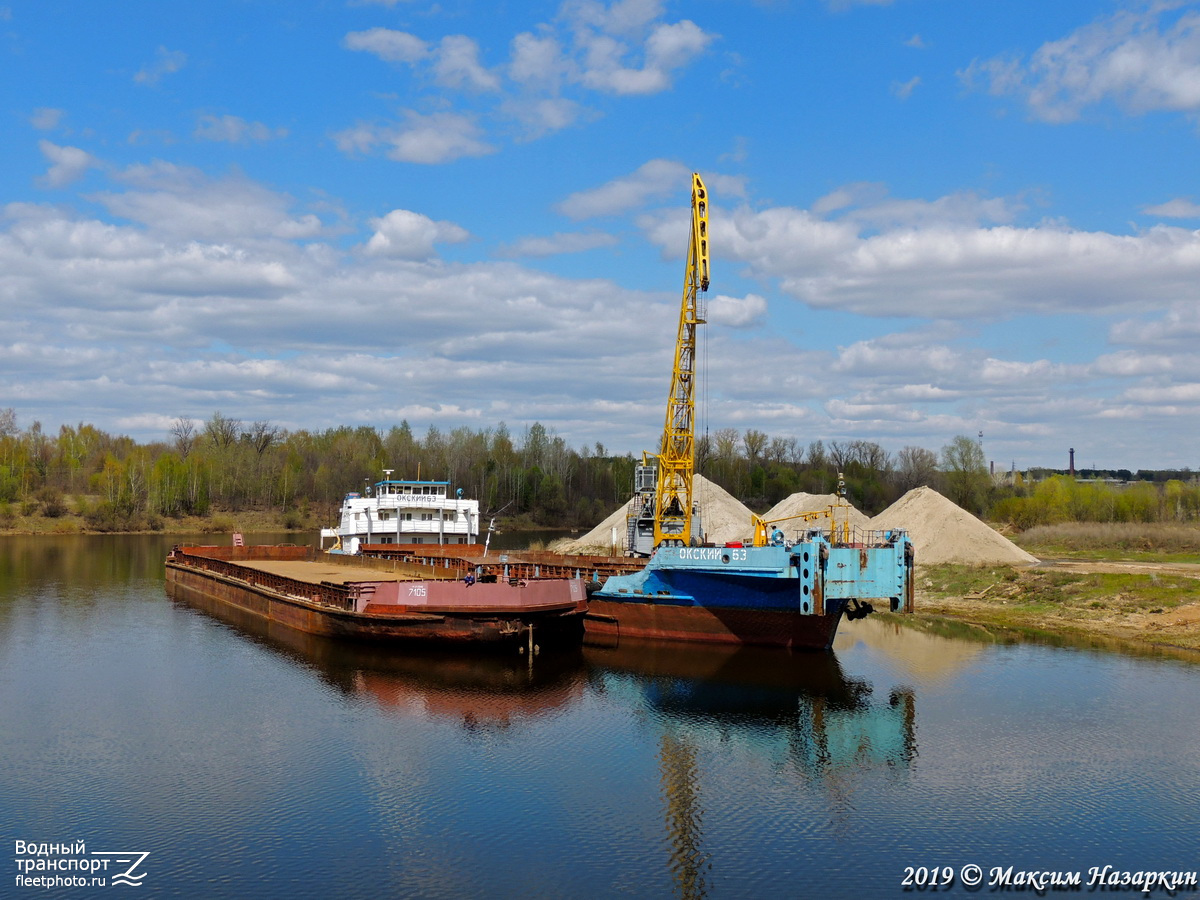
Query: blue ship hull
{"points": [[785, 595]]}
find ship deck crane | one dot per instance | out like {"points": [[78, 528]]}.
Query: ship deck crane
{"points": [[676, 458]]}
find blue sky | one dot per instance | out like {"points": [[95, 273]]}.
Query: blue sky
{"points": [[928, 218]]}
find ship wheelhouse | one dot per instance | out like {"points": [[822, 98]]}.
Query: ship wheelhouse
{"points": [[397, 511]]}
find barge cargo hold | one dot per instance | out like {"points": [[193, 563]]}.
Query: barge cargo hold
{"points": [[353, 598]]}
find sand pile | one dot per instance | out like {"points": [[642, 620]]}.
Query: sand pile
{"points": [[943, 532], [725, 518], [801, 502]]}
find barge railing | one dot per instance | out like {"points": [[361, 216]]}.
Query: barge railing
{"points": [[324, 593]]}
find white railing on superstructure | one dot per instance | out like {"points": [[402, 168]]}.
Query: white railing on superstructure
{"points": [[428, 501]]}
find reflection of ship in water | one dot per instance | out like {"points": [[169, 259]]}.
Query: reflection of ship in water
{"points": [[799, 713], [481, 691], [801, 707]]}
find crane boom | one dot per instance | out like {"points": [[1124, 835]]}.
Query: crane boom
{"points": [[676, 458]]}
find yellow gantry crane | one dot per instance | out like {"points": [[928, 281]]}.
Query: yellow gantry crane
{"points": [[676, 458]]}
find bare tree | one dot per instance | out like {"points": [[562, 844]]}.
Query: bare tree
{"points": [[703, 451], [915, 467], [966, 473], [795, 451], [817, 458], [262, 435], [777, 450], [222, 431], [184, 432], [870, 456], [726, 443], [755, 442], [839, 452]]}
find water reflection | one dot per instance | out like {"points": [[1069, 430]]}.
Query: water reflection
{"points": [[828, 728], [765, 699], [480, 691]]}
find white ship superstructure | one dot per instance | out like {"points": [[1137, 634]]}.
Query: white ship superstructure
{"points": [[404, 512]]}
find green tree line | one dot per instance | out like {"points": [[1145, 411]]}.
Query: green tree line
{"points": [[532, 476]]}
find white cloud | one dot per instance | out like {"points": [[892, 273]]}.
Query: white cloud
{"points": [[1178, 327], [235, 130], [556, 244], [166, 62], [1178, 208], [623, 48], [179, 201], [674, 45], [656, 178], [904, 89], [436, 138], [737, 312], [454, 60], [939, 259], [868, 204], [403, 234], [46, 118], [1144, 60], [67, 164], [427, 139], [309, 334], [388, 44], [1167, 393], [458, 66], [668, 47], [623, 17], [543, 116], [537, 61]]}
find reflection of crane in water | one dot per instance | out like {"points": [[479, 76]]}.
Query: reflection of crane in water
{"points": [[685, 815], [800, 714]]}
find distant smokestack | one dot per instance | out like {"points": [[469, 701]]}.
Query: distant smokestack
{"points": [[1072, 473]]}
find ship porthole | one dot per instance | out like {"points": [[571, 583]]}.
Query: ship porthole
{"points": [[804, 607], [724, 557], [806, 556], [804, 588], [806, 573]]}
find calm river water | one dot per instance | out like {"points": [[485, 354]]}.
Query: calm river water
{"points": [[254, 762]]}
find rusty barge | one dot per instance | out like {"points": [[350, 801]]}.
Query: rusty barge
{"points": [[379, 600]]}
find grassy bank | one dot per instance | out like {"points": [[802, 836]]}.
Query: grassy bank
{"points": [[1103, 540], [1150, 606]]}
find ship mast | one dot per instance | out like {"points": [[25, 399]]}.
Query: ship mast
{"points": [[676, 458]]}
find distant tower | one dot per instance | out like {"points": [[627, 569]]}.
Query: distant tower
{"points": [[1072, 472]]}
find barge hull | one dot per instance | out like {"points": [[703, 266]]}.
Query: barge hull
{"points": [[551, 623], [712, 625], [776, 595]]}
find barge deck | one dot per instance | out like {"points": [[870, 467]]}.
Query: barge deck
{"points": [[377, 599]]}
